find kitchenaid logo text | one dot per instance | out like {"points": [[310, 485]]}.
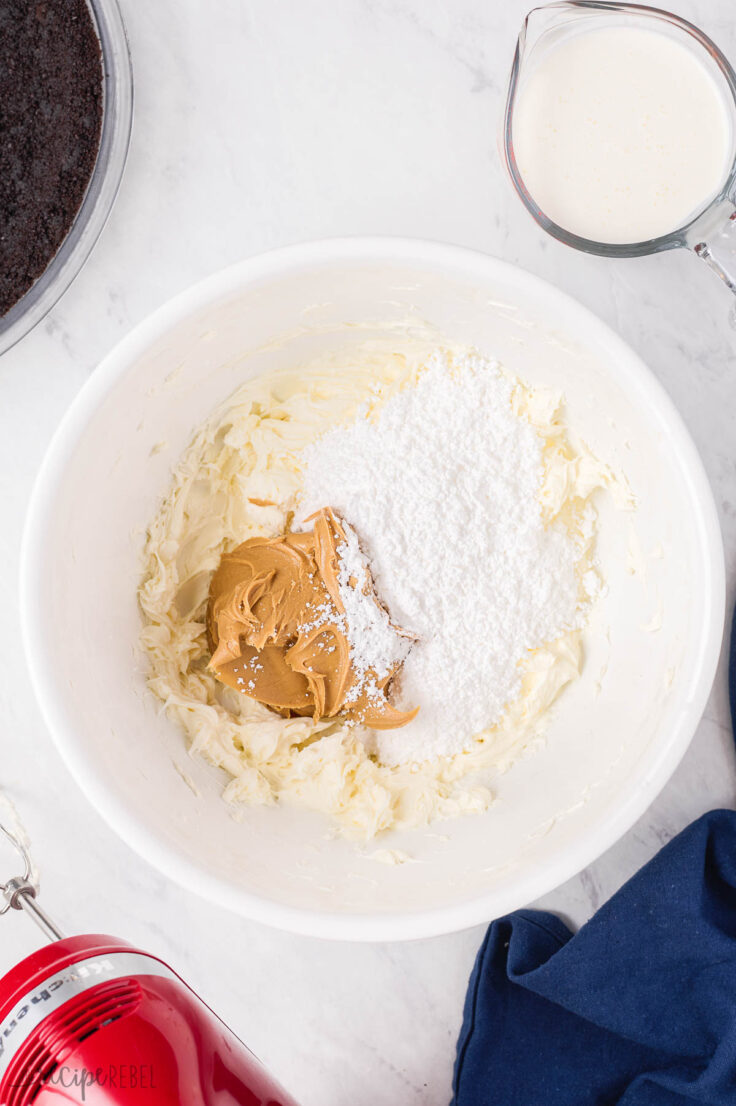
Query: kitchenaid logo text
{"points": [[56, 990], [120, 1077], [84, 973]]}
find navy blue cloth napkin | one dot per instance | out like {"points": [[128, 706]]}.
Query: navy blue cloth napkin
{"points": [[638, 1008]]}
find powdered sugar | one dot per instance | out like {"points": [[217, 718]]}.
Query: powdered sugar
{"points": [[377, 648], [443, 494], [375, 645]]}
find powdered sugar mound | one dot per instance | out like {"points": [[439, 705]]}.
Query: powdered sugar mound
{"points": [[374, 643], [443, 493]]}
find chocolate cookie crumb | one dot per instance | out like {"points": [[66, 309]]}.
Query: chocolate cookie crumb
{"points": [[50, 123]]}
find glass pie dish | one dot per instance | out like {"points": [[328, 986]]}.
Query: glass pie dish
{"points": [[102, 188]]}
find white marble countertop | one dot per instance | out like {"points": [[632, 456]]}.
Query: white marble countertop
{"points": [[260, 124]]}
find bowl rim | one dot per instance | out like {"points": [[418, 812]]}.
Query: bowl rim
{"points": [[391, 925]]}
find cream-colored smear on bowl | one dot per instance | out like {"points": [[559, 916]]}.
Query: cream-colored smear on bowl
{"points": [[241, 477], [621, 134]]}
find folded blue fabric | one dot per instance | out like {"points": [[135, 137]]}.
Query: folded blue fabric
{"points": [[638, 1008]]}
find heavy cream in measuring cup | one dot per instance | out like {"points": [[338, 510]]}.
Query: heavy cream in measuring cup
{"points": [[621, 134]]}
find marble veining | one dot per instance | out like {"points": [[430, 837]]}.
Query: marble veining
{"points": [[258, 125]]}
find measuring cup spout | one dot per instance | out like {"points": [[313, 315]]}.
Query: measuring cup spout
{"points": [[539, 23]]}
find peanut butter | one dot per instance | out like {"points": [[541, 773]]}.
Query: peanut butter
{"points": [[278, 629]]}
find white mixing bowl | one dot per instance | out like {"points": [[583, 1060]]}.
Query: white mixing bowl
{"points": [[614, 737]]}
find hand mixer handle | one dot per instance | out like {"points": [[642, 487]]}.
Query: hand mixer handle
{"points": [[19, 892]]}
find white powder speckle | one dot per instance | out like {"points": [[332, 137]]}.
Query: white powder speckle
{"points": [[375, 645], [442, 491]]}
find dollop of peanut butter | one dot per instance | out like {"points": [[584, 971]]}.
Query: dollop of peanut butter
{"points": [[278, 631]]}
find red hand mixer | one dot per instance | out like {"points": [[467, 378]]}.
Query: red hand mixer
{"points": [[93, 1020]]}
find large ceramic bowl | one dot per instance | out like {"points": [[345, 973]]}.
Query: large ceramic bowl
{"points": [[614, 737]]}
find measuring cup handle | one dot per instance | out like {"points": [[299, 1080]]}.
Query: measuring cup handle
{"points": [[717, 248]]}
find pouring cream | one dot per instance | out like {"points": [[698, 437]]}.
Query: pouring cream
{"points": [[621, 134]]}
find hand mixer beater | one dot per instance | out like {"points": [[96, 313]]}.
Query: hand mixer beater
{"points": [[91, 1019]]}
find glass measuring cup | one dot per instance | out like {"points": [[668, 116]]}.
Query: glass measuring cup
{"points": [[711, 231]]}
